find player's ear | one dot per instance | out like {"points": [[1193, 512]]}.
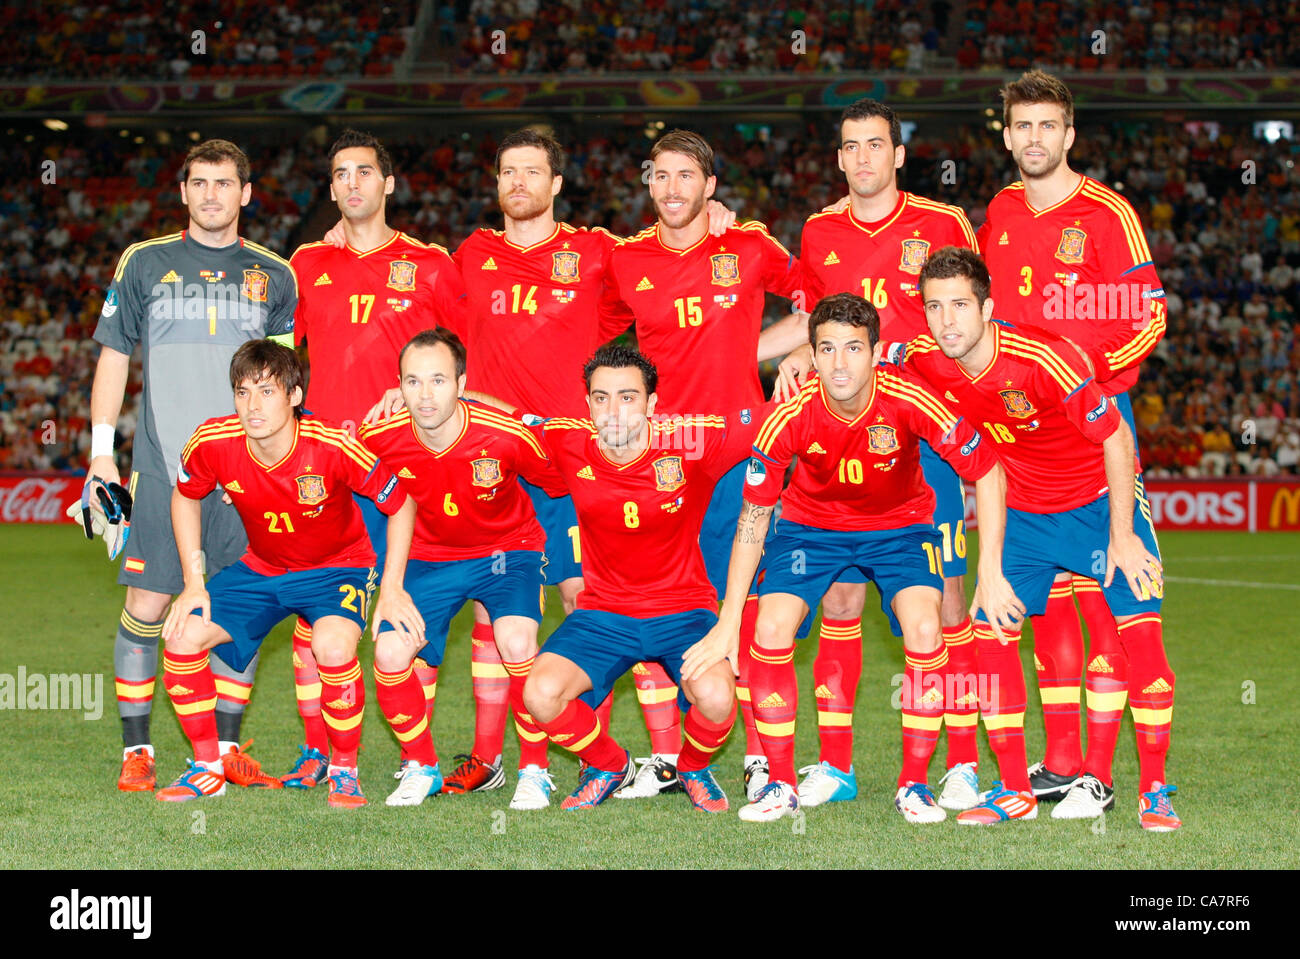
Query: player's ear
{"points": [[1069, 137], [651, 401], [295, 398], [839, 158], [460, 385], [1006, 136], [557, 184], [710, 185], [390, 184], [900, 154], [246, 194], [184, 199], [877, 352], [987, 309]]}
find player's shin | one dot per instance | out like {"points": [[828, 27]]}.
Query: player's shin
{"points": [[1002, 704], [401, 700], [703, 737], [135, 663], [1106, 689], [836, 673], [428, 677], [657, 694], [922, 710], [578, 730], [491, 685], [343, 697], [533, 742], [1151, 695], [1058, 659], [961, 686], [306, 681], [190, 684], [753, 745], [233, 691], [774, 689]]}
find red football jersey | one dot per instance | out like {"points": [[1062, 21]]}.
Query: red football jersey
{"points": [[640, 522], [881, 261], [298, 513], [864, 473], [533, 315], [1038, 405], [357, 310], [699, 312], [469, 502], [1080, 269]]}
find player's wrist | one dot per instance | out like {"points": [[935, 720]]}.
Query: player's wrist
{"points": [[101, 440]]}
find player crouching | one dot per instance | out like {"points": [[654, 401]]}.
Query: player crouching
{"points": [[290, 477]]}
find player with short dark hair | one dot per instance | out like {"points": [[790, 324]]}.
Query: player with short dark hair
{"points": [[358, 306], [1067, 255], [641, 487], [1071, 498], [188, 300], [290, 478], [470, 533], [857, 499]]}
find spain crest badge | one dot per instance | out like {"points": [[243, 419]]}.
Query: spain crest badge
{"points": [[487, 471], [726, 269], [882, 440], [1017, 403], [255, 285], [401, 276], [1070, 249], [915, 253], [669, 475], [311, 489], [564, 267]]}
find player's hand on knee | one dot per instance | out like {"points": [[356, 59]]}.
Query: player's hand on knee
{"points": [[720, 218], [189, 600], [336, 236], [1001, 605], [396, 608], [1144, 572], [391, 403], [717, 644]]}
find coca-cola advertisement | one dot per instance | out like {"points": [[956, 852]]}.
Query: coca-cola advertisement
{"points": [[38, 497]]}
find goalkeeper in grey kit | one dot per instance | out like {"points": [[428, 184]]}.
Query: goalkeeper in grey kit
{"points": [[188, 300]]}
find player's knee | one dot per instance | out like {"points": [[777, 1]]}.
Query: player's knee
{"points": [[925, 635], [146, 605], [714, 696], [190, 641], [772, 633], [844, 601], [391, 654], [543, 696], [332, 649], [517, 645]]}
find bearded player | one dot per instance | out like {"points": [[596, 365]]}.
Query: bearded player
{"points": [[360, 304], [1067, 255]]}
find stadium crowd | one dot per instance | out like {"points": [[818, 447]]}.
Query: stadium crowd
{"points": [[1219, 396]]}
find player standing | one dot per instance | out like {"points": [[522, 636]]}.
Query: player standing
{"points": [[290, 478], [1070, 495], [359, 304], [875, 246], [1067, 255], [858, 499], [188, 300], [474, 536], [697, 300], [641, 489]]}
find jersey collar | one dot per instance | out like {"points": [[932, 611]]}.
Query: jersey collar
{"points": [[871, 401], [383, 246], [628, 465], [1056, 206], [672, 249], [526, 249], [997, 348], [297, 428], [880, 225]]}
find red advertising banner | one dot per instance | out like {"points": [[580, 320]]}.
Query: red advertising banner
{"points": [[38, 497], [1260, 505]]}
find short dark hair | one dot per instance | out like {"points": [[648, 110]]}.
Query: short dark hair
{"points": [[432, 338], [350, 138], [530, 137], [259, 358], [865, 109], [688, 143], [217, 151], [950, 262], [1035, 86], [617, 356], [848, 308]]}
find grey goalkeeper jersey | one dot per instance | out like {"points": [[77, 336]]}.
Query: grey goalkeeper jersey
{"points": [[189, 307]]}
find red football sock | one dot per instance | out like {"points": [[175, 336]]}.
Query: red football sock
{"points": [[189, 682], [579, 731], [428, 678], [657, 694], [605, 710], [923, 700], [306, 681], [1002, 679], [1151, 695], [773, 684], [753, 745], [1105, 682], [401, 700], [1058, 657], [836, 672], [343, 697], [532, 741], [961, 694], [703, 738], [491, 693]]}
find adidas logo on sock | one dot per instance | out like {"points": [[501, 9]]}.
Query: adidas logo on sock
{"points": [[179, 690], [970, 699], [1100, 665], [640, 670], [562, 737], [297, 661], [1038, 663], [823, 692], [932, 698], [399, 719], [339, 704], [1159, 686], [772, 702]]}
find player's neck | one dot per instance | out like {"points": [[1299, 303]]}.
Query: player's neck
{"points": [[1043, 192], [977, 360], [626, 454], [685, 237], [870, 209], [217, 240], [533, 230], [852, 408], [271, 449], [441, 438], [366, 235]]}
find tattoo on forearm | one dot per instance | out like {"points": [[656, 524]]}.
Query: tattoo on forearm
{"points": [[747, 527]]}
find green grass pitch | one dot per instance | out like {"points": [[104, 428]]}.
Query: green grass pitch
{"points": [[1230, 630]]}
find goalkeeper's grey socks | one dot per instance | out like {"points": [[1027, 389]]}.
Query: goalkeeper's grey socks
{"points": [[135, 662], [233, 690]]}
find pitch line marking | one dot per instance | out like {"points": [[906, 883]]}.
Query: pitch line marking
{"points": [[1229, 582]]}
